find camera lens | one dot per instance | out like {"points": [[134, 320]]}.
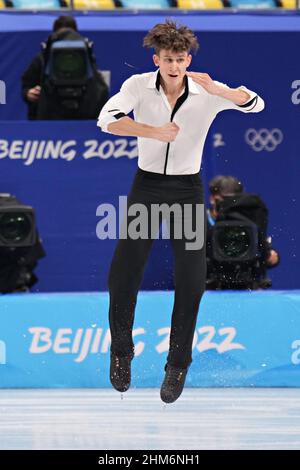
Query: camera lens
{"points": [[233, 241], [14, 226]]}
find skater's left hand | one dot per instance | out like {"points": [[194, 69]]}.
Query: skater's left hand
{"points": [[205, 81], [237, 96]]}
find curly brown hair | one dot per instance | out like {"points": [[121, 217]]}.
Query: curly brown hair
{"points": [[171, 36]]}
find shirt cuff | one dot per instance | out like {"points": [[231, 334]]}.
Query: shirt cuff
{"points": [[252, 102], [104, 121]]}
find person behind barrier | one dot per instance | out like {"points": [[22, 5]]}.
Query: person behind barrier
{"points": [[228, 201], [173, 110], [62, 82]]}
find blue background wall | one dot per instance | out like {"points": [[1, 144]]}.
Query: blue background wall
{"points": [[258, 51]]}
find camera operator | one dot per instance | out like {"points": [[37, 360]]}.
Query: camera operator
{"points": [[43, 98], [227, 197]]}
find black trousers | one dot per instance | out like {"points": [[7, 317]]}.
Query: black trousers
{"points": [[130, 257]]}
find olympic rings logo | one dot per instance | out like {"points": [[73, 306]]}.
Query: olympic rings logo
{"points": [[263, 139]]}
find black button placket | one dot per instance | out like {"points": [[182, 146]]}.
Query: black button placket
{"points": [[179, 102]]}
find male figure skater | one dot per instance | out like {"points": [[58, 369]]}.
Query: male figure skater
{"points": [[173, 110]]}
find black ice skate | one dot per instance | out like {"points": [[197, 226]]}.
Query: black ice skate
{"points": [[173, 384], [120, 372]]}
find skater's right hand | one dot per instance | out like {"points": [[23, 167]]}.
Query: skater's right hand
{"points": [[167, 132]]}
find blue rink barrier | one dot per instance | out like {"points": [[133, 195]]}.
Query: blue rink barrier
{"points": [[62, 340]]}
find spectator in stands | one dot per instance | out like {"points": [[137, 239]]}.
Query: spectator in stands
{"points": [[64, 28]]}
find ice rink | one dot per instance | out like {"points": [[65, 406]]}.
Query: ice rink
{"points": [[100, 419]]}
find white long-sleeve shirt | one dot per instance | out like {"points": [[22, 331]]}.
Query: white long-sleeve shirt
{"points": [[194, 113]]}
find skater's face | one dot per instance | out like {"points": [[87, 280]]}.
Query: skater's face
{"points": [[172, 66]]}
